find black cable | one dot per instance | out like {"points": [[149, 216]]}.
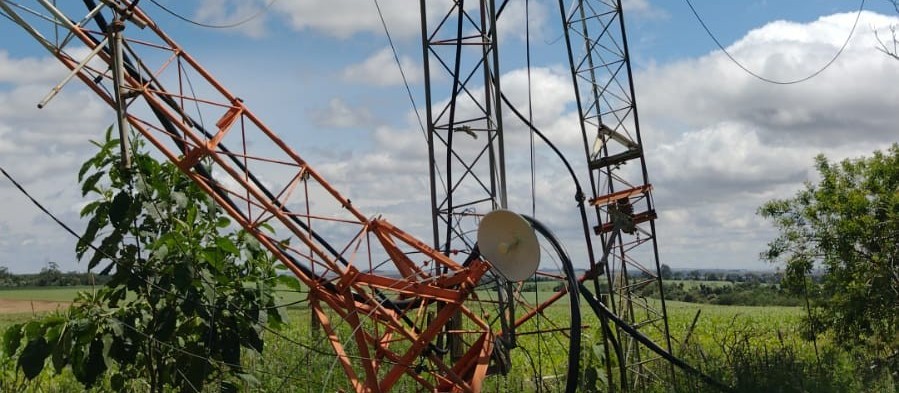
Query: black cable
{"points": [[211, 26], [527, 34], [38, 204], [574, 352], [451, 128], [772, 81]]}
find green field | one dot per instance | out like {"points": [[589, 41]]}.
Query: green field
{"points": [[54, 294], [719, 332]]}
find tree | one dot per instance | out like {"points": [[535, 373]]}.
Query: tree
{"points": [[187, 295], [847, 225], [665, 272], [49, 275], [6, 278], [694, 275]]}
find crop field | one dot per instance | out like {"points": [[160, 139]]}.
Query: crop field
{"points": [[297, 356]]}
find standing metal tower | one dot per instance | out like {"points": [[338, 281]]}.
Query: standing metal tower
{"points": [[465, 137], [622, 195]]}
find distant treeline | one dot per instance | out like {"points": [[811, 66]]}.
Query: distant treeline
{"points": [[733, 276], [747, 293], [49, 276], [732, 288]]}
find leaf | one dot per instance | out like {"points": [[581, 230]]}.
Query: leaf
{"points": [[12, 338], [60, 356], [230, 347], [90, 233], [107, 269], [160, 252], [590, 379], [54, 327], [183, 276], [117, 382], [90, 208], [107, 346], [195, 371], [33, 356], [249, 379], [252, 339], [90, 184], [223, 222], [290, 282], [85, 167], [33, 329], [229, 387], [227, 245], [92, 366], [118, 211], [167, 320], [108, 248]]}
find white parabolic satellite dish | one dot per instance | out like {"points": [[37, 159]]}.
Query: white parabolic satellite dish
{"points": [[510, 244]]}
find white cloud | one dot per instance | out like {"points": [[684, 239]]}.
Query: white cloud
{"points": [[848, 96], [642, 8], [514, 23], [44, 69], [721, 142], [340, 115], [728, 156], [344, 18], [380, 69], [42, 149], [247, 17]]}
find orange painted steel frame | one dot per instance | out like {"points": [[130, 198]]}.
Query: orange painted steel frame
{"points": [[354, 296]]}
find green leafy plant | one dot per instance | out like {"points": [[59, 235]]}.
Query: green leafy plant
{"points": [[187, 295], [846, 226]]}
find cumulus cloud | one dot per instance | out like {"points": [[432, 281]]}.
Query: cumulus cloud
{"points": [[643, 8], [380, 69], [247, 17], [344, 18], [339, 114], [516, 20], [40, 148], [721, 142], [42, 69], [831, 108]]}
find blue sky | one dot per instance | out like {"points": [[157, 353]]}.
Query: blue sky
{"points": [[719, 142]]}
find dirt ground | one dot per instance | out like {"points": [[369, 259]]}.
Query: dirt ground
{"points": [[10, 306]]}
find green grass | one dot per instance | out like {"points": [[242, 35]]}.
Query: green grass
{"points": [[718, 331], [55, 294]]}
